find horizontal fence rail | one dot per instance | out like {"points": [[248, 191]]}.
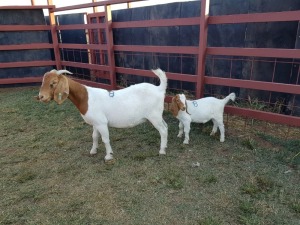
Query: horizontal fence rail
{"points": [[100, 50]]}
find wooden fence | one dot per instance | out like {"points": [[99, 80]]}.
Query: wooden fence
{"points": [[102, 50]]}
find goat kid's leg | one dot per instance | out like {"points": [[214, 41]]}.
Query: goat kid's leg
{"points": [[187, 128], [180, 129], [222, 132], [215, 128], [162, 127], [105, 139], [95, 141]]}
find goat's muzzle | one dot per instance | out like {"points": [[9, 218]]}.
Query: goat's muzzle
{"points": [[42, 98]]}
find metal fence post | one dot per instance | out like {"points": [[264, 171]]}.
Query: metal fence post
{"points": [[110, 46], [202, 48]]}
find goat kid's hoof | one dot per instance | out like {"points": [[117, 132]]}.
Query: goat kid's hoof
{"points": [[186, 142], [110, 161]]}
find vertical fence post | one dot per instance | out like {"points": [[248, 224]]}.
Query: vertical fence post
{"points": [[110, 46], [54, 37], [202, 47], [95, 9]]}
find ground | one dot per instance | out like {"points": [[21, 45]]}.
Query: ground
{"points": [[48, 177]]}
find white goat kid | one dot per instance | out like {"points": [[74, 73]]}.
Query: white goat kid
{"points": [[100, 108], [199, 111]]}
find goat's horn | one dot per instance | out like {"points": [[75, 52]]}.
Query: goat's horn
{"points": [[59, 72]]}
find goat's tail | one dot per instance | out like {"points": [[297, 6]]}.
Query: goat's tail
{"points": [[231, 97], [163, 79]]}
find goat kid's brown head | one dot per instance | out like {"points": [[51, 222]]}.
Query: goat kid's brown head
{"points": [[178, 103], [55, 87]]}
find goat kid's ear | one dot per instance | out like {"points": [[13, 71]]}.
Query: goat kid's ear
{"points": [[61, 92], [174, 107]]}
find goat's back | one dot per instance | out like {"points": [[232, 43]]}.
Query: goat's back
{"points": [[126, 107], [205, 109]]}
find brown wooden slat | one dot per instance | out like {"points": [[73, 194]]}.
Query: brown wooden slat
{"points": [[149, 73], [265, 116], [93, 84], [158, 49], [25, 46], [251, 84], [256, 17], [254, 52], [83, 46], [26, 64], [28, 7], [88, 5], [22, 80], [80, 26], [158, 23], [7, 28], [85, 65]]}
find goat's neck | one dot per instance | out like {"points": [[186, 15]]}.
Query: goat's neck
{"points": [[78, 95]]}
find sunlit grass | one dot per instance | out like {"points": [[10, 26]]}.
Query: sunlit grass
{"points": [[48, 177]]}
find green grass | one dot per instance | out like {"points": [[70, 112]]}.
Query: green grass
{"points": [[48, 177]]}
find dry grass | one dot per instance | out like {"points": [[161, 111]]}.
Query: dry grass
{"points": [[48, 177]]}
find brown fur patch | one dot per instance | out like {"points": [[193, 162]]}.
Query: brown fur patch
{"points": [[176, 105], [59, 88], [79, 96]]}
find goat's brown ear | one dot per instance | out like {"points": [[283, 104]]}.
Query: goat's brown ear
{"points": [[61, 92], [174, 107]]}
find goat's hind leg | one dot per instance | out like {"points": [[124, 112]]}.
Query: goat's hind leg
{"points": [[218, 123], [95, 141], [215, 127], [162, 127]]}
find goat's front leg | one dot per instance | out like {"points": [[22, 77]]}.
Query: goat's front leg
{"points": [[103, 129], [95, 141], [180, 129]]}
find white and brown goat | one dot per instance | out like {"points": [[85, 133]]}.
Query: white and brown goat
{"points": [[100, 108], [199, 111]]}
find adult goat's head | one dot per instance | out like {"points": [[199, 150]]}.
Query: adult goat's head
{"points": [[55, 87], [178, 103]]}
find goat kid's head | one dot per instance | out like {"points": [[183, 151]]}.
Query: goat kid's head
{"points": [[178, 103], [55, 87]]}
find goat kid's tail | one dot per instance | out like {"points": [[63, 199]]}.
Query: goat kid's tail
{"points": [[163, 79], [231, 97]]}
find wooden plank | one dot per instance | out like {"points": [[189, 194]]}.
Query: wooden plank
{"points": [[251, 84]]}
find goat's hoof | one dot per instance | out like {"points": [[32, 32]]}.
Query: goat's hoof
{"points": [[212, 134], [222, 140], [93, 152], [180, 136], [186, 142], [110, 161], [162, 152]]}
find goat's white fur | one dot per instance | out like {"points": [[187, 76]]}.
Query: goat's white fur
{"points": [[201, 111], [127, 107]]}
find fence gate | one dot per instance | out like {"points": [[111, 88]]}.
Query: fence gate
{"points": [[103, 55]]}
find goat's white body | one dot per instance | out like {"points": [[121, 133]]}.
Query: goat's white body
{"points": [[127, 107], [202, 111], [124, 108]]}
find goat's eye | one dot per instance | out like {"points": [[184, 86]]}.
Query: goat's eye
{"points": [[52, 84]]}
